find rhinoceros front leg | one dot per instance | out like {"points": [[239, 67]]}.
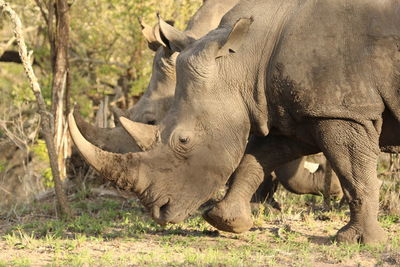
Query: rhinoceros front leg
{"points": [[233, 213], [265, 193], [264, 154], [352, 150]]}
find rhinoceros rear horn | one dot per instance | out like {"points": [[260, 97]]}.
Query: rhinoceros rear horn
{"points": [[145, 135], [171, 37]]}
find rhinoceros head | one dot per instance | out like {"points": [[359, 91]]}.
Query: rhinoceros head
{"points": [[157, 99], [196, 147]]}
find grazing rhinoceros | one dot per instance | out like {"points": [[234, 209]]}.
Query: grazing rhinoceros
{"points": [[153, 106], [302, 76]]}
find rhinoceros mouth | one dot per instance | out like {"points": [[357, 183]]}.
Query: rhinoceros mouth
{"points": [[164, 214], [169, 213], [159, 212]]}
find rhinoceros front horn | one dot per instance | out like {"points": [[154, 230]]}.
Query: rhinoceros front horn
{"points": [[119, 168], [145, 135], [94, 134], [110, 139]]}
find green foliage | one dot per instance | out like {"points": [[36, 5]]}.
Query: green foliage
{"points": [[40, 151], [14, 88], [3, 166], [47, 178], [388, 220]]}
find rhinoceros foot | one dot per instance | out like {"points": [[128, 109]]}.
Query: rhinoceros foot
{"points": [[353, 233], [230, 217]]}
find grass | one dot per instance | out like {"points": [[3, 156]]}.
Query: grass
{"points": [[109, 232]]}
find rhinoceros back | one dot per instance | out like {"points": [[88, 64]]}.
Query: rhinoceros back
{"points": [[338, 59]]}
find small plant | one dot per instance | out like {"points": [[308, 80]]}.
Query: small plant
{"points": [[40, 150], [3, 166]]}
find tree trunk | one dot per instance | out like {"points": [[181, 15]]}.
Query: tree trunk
{"points": [[60, 46]]}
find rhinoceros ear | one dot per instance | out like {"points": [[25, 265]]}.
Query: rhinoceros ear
{"points": [[235, 38], [117, 112], [145, 135], [171, 37], [149, 34]]}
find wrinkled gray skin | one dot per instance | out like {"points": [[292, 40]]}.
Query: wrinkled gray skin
{"points": [[156, 101], [303, 77], [300, 180]]}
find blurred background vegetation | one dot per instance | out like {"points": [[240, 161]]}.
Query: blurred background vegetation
{"points": [[108, 58]]}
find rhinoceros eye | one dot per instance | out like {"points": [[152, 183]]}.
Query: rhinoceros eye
{"points": [[149, 118], [182, 143], [184, 139]]}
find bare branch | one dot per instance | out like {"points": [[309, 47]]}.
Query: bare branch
{"points": [[22, 49], [44, 14]]}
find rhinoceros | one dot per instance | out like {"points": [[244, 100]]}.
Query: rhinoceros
{"points": [[156, 139], [156, 101], [275, 81], [297, 77]]}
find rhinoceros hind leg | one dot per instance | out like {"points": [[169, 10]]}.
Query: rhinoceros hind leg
{"points": [[352, 149], [352, 233]]}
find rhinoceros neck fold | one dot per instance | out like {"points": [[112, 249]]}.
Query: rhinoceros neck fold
{"points": [[254, 95]]}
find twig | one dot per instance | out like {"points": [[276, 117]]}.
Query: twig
{"points": [[44, 114], [44, 15]]}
